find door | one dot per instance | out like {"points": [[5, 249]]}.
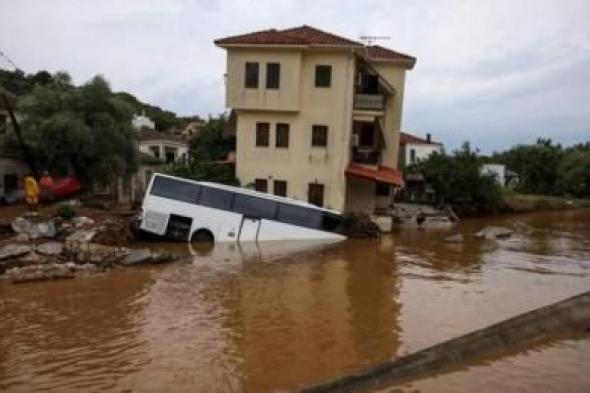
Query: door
{"points": [[249, 229], [315, 194]]}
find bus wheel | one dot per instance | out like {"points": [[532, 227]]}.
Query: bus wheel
{"points": [[202, 236]]}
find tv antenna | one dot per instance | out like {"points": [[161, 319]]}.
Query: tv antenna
{"points": [[2, 54], [370, 39]]}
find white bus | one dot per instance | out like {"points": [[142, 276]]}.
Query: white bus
{"points": [[201, 211]]}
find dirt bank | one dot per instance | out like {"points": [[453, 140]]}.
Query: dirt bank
{"points": [[521, 203]]}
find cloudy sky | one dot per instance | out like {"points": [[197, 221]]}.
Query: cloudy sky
{"points": [[493, 72]]}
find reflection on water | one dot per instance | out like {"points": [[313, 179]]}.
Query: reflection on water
{"points": [[280, 316]]}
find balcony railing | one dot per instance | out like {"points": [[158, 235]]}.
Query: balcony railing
{"points": [[373, 102], [368, 156]]}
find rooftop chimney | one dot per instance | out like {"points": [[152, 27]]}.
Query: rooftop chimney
{"points": [[428, 138]]}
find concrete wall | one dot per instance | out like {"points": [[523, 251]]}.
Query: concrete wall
{"points": [[360, 195], [300, 104], [301, 164], [285, 98], [563, 319]]}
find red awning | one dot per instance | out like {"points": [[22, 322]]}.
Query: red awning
{"points": [[380, 173]]}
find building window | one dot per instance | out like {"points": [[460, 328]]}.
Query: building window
{"points": [[282, 135], [367, 135], [319, 136], [261, 185], [412, 156], [273, 75], [280, 188], [315, 194], [251, 76], [382, 189], [262, 134], [155, 151], [323, 75]]}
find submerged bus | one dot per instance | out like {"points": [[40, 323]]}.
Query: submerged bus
{"points": [[194, 211]]}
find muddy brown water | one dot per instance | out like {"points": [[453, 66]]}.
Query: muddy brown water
{"points": [[277, 317]]}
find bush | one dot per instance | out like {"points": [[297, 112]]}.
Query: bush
{"points": [[458, 181]]}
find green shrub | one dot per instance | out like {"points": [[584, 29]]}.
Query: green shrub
{"points": [[66, 212]]}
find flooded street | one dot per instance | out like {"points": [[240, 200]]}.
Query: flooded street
{"points": [[278, 317]]}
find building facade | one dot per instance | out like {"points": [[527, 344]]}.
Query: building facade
{"points": [[318, 116], [413, 149]]}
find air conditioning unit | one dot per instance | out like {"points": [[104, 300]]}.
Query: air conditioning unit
{"points": [[354, 140]]}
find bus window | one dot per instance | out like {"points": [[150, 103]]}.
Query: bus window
{"points": [[255, 207], [298, 215], [175, 189], [216, 198]]}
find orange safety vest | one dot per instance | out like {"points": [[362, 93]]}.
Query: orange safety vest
{"points": [[31, 187]]}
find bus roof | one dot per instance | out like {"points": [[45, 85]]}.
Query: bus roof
{"points": [[247, 191]]}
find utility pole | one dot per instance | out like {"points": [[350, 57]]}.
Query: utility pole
{"points": [[19, 135]]}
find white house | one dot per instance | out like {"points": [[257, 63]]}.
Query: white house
{"points": [[166, 147], [497, 171], [142, 121], [414, 149]]}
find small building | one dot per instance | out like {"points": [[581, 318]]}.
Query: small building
{"points": [[166, 147], [192, 129], [497, 171], [142, 121], [413, 148]]}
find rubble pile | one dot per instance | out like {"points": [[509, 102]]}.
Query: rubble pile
{"points": [[59, 248]]}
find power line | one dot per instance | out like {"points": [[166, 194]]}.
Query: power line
{"points": [[8, 59]]}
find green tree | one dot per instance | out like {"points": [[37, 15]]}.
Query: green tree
{"points": [[85, 130], [574, 173], [458, 181], [206, 148], [537, 165]]}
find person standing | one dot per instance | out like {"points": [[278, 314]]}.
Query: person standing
{"points": [[31, 194], [46, 184]]}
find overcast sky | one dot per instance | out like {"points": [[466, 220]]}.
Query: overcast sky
{"points": [[492, 72]]}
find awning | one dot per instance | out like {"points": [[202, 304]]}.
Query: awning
{"points": [[380, 173]]}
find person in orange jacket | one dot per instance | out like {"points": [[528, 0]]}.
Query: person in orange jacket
{"points": [[31, 193], [46, 184]]}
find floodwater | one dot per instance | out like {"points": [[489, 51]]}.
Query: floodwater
{"points": [[276, 317]]}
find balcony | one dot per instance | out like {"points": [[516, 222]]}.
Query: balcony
{"points": [[370, 102], [366, 155]]}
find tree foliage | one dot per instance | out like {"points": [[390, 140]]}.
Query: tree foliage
{"points": [[206, 148], [536, 164], [458, 181], [85, 130]]}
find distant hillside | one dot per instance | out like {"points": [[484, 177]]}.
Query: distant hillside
{"points": [[21, 84]]}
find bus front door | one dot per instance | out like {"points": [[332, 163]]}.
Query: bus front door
{"points": [[249, 229]]}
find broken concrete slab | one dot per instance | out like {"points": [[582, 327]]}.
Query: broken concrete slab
{"points": [[14, 251], [81, 236], [456, 238], [494, 232], [137, 256], [39, 272], [81, 221], [50, 249]]}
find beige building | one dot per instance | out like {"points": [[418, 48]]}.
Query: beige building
{"points": [[318, 116]]}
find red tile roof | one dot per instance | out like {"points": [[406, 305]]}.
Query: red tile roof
{"points": [[380, 53], [406, 139], [381, 173], [302, 35], [147, 134]]}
